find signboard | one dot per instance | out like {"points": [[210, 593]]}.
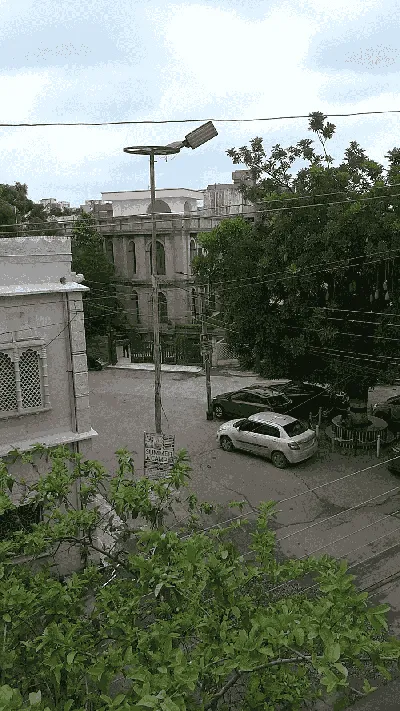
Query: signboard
{"points": [[158, 454]]}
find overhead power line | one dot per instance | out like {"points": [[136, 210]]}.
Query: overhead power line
{"points": [[193, 120]]}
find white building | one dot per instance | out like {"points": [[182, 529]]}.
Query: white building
{"points": [[44, 392]]}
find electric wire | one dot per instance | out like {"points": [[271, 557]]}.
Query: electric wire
{"points": [[193, 120], [142, 219], [148, 218]]}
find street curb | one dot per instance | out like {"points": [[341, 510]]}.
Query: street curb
{"points": [[149, 367]]}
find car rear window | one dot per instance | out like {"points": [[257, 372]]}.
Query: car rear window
{"points": [[295, 428], [278, 400]]}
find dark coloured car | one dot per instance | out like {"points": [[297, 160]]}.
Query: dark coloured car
{"points": [[394, 464], [248, 401], [389, 410], [309, 397]]}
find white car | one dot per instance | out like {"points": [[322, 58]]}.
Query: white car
{"points": [[281, 438]]}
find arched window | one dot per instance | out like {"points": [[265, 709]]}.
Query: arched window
{"points": [[193, 251], [194, 305], [160, 258], [109, 249], [135, 307], [160, 206], [131, 257], [162, 307]]}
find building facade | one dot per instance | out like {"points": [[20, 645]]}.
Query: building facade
{"points": [[44, 393], [124, 220]]}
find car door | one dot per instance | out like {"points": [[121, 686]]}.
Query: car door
{"points": [[395, 412], [245, 438], [243, 404], [264, 439]]}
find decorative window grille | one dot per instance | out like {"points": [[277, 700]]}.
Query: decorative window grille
{"points": [[30, 383], [23, 378]]}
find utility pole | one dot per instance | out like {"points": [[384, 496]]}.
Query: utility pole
{"points": [[206, 349], [156, 316], [192, 140]]}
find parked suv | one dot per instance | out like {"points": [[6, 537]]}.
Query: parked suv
{"points": [[389, 410], [248, 401], [281, 438], [309, 397]]}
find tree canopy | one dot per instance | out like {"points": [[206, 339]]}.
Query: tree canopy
{"points": [[102, 309], [20, 215], [318, 269], [179, 617]]}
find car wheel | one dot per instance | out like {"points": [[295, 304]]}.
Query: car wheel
{"points": [[218, 412], [279, 460], [226, 444]]}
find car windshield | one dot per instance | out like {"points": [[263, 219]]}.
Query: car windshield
{"points": [[295, 428], [278, 400], [239, 422]]}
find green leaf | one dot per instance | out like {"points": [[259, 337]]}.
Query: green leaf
{"points": [[148, 701], [299, 636], [224, 554], [158, 589], [367, 688], [35, 697], [332, 653], [119, 699], [169, 705], [6, 693], [7, 618], [342, 669], [70, 657], [236, 612]]}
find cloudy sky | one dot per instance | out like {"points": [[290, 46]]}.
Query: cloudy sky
{"points": [[98, 61]]}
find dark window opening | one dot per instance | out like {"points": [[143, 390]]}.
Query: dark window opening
{"points": [[22, 518]]}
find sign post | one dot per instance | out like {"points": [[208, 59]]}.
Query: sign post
{"points": [[158, 454]]}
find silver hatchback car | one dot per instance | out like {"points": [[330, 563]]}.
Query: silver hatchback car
{"points": [[281, 438]]}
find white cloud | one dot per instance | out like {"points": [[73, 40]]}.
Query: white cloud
{"points": [[339, 10], [21, 94]]}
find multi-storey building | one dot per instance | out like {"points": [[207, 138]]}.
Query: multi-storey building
{"points": [[44, 395], [124, 220]]}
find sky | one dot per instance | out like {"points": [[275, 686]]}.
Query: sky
{"points": [[130, 60]]}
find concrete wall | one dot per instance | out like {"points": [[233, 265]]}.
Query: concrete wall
{"points": [[179, 200]]}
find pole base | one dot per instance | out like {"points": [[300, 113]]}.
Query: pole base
{"points": [[210, 415]]}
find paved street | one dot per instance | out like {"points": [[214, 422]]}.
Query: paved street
{"points": [[123, 408]]}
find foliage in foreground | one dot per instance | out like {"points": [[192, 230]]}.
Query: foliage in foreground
{"points": [[174, 621]]}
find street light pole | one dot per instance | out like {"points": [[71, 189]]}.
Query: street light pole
{"points": [[156, 315], [206, 352], [193, 140]]}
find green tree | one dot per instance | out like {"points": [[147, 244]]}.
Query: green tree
{"points": [[174, 622], [20, 215], [102, 309], [324, 246]]}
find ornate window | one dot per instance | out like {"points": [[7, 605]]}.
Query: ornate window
{"points": [[160, 258], [131, 257], [23, 378]]}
